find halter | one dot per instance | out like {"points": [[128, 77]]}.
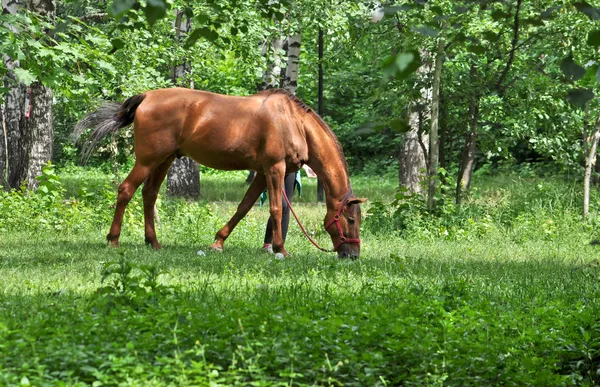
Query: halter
{"points": [[335, 219]]}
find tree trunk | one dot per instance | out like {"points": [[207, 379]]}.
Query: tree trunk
{"points": [[443, 130], [320, 107], [467, 160], [467, 157], [412, 158], [290, 83], [3, 150], [183, 178], [27, 116], [434, 143], [271, 76], [590, 160]]}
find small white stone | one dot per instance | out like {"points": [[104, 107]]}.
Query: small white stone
{"points": [[200, 253], [279, 256]]}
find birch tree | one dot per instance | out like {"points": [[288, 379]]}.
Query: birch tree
{"points": [[26, 114], [183, 179]]}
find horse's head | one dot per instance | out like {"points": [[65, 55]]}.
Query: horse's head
{"points": [[343, 225]]}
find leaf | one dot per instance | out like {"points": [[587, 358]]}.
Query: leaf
{"points": [[154, 10], [572, 70], [437, 10], [426, 31], [549, 13], [591, 12], [498, 14], [598, 75], [393, 9], [490, 36], [476, 49], [580, 97], [25, 76], [404, 59], [594, 38], [534, 21], [120, 7], [117, 44], [198, 33], [399, 125]]}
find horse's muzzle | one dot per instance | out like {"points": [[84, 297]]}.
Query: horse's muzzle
{"points": [[348, 252]]}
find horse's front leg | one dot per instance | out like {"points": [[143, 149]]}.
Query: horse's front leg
{"points": [[256, 188], [275, 181]]}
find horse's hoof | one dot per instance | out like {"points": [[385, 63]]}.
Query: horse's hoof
{"points": [[153, 243], [216, 248], [113, 244]]}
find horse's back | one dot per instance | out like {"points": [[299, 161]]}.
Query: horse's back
{"points": [[219, 131]]}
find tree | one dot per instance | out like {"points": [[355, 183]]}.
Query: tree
{"points": [[434, 142], [413, 155], [26, 113], [183, 178]]}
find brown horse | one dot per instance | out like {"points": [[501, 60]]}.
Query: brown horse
{"points": [[272, 133]]}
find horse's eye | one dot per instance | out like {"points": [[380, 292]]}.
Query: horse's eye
{"points": [[351, 220]]}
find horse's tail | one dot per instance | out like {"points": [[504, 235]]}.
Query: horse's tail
{"points": [[107, 119]]}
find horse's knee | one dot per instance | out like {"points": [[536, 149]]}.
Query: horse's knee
{"points": [[125, 192], [275, 211]]}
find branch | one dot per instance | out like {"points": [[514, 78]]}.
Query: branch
{"points": [[96, 17], [515, 40]]}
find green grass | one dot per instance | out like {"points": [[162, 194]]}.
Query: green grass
{"points": [[514, 304]]}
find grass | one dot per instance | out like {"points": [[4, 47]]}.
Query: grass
{"points": [[515, 305]]}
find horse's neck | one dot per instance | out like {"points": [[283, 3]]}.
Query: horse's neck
{"points": [[327, 162]]}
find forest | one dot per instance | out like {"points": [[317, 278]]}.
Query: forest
{"points": [[471, 126]]}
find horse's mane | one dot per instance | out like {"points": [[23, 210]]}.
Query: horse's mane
{"points": [[308, 110]]}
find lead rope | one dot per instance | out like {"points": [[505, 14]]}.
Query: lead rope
{"points": [[301, 226]]}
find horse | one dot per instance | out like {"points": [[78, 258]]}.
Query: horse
{"points": [[271, 132]]}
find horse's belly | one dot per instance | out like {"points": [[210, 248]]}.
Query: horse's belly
{"points": [[220, 160]]}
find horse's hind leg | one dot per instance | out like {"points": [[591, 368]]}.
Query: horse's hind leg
{"points": [[256, 188], [136, 177], [150, 193]]}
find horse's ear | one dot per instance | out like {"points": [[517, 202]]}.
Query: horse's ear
{"points": [[356, 200]]}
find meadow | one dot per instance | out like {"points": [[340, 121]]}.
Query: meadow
{"points": [[504, 290]]}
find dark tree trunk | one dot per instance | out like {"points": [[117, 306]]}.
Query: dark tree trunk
{"points": [[183, 179], [320, 107], [443, 129], [434, 142], [27, 116]]}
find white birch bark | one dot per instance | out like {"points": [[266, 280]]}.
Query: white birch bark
{"points": [[183, 178], [590, 160], [290, 82], [271, 76], [27, 115], [412, 158]]}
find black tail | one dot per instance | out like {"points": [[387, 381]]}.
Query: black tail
{"points": [[109, 118]]}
